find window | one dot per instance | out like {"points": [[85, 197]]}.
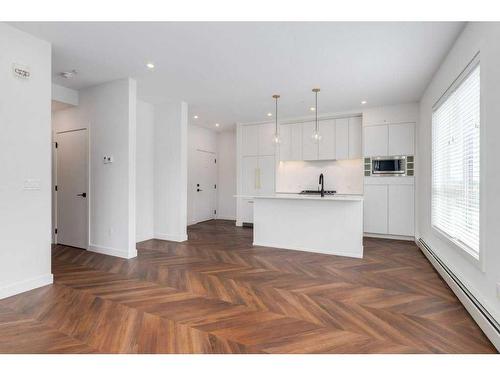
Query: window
{"points": [[455, 161]]}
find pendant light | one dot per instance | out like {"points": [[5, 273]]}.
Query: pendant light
{"points": [[276, 137], [316, 137]]}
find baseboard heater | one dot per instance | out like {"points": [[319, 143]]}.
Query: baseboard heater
{"points": [[483, 318]]}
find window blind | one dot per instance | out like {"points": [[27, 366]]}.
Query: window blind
{"points": [[455, 162]]}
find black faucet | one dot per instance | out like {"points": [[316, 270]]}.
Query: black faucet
{"points": [[322, 185]]}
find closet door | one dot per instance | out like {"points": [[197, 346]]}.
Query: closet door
{"points": [[265, 183], [249, 175], [326, 147], [342, 139]]}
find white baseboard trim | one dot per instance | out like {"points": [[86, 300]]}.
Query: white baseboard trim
{"points": [[476, 309], [309, 250], [120, 253], [232, 218], [171, 237], [389, 236], [25, 285]]}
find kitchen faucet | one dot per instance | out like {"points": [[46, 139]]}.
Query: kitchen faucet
{"points": [[322, 185]]}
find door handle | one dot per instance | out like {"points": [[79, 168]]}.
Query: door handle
{"points": [[84, 195], [199, 190]]}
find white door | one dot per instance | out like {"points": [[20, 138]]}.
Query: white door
{"points": [[266, 176], [375, 206], [250, 140], [206, 180], [355, 138], [309, 147], [375, 140], [402, 139], [326, 147], [342, 139], [72, 224], [267, 146], [249, 175], [401, 210]]}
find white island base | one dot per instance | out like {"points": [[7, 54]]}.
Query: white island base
{"points": [[329, 225]]}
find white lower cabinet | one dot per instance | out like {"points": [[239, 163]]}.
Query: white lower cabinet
{"points": [[401, 210], [246, 214], [389, 208], [375, 209]]}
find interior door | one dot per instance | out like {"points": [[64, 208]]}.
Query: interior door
{"points": [[206, 181], [72, 224]]}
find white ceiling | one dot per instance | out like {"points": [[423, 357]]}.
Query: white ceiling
{"points": [[227, 72]]}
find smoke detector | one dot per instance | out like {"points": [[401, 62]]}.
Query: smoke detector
{"points": [[69, 74]]}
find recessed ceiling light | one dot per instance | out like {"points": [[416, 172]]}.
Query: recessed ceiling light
{"points": [[269, 114], [363, 102], [69, 74], [217, 125], [312, 109], [195, 116], [150, 65]]}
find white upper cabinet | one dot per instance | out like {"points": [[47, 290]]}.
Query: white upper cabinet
{"points": [[296, 142], [401, 139], [342, 139], [375, 140], [285, 145], [309, 147], [355, 138], [267, 146], [290, 147], [250, 140], [258, 140], [389, 140], [326, 147]]}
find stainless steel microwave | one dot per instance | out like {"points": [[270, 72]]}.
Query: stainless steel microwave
{"points": [[391, 165]]}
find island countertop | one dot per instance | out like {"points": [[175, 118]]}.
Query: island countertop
{"points": [[336, 197]]}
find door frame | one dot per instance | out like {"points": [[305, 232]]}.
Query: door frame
{"points": [[87, 182], [214, 154]]}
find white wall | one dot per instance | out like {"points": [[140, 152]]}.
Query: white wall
{"points": [[226, 178], [170, 170], [198, 139], [109, 112], [64, 95], [25, 252], [344, 176], [476, 37], [145, 172]]}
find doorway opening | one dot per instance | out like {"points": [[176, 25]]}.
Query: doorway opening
{"points": [[70, 188], [205, 201]]}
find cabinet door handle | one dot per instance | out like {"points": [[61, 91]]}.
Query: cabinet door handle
{"points": [[257, 178]]}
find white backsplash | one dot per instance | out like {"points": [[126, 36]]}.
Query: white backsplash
{"points": [[344, 176]]}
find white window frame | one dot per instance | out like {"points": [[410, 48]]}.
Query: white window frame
{"points": [[479, 261]]}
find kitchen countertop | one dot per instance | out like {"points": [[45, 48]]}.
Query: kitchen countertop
{"points": [[291, 196]]}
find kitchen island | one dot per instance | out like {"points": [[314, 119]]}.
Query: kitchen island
{"points": [[329, 225]]}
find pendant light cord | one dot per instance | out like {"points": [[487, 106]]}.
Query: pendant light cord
{"points": [[316, 112]]}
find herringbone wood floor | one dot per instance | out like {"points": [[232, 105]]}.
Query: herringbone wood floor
{"points": [[216, 293]]}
